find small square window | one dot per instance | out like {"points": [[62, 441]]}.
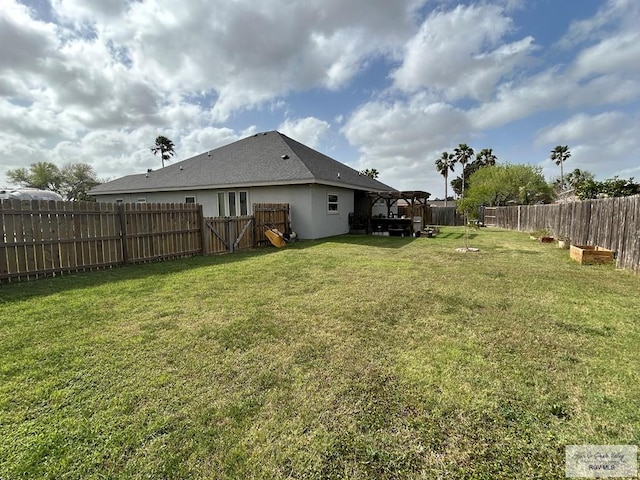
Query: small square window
{"points": [[332, 203], [189, 199]]}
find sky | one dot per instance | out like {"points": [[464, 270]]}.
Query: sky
{"points": [[377, 84]]}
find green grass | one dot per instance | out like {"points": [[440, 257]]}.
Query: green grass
{"points": [[355, 357]]}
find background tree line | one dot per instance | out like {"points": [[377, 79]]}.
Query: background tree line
{"points": [[72, 181], [483, 182]]}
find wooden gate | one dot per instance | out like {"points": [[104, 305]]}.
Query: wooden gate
{"points": [[228, 234], [489, 214], [270, 215]]}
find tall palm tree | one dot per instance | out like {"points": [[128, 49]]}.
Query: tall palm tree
{"points": [[486, 157], [371, 173], [462, 154], [559, 155], [445, 163], [164, 147]]}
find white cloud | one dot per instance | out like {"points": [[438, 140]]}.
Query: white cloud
{"points": [[96, 81], [555, 89], [603, 143], [23, 42], [402, 139], [613, 16], [620, 53], [250, 52], [309, 130], [460, 53], [204, 139]]}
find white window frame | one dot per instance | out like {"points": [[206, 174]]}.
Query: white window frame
{"points": [[246, 202], [222, 209], [226, 196], [331, 202], [119, 200], [187, 197], [232, 201], [142, 200]]}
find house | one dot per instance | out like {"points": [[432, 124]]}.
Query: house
{"points": [[266, 167]]}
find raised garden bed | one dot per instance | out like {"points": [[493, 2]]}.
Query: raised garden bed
{"points": [[589, 254]]}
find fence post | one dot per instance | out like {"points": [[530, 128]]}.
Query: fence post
{"points": [[123, 233], [203, 236]]}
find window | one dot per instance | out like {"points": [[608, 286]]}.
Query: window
{"points": [[222, 212], [142, 200], [244, 210], [119, 200], [332, 203], [232, 204], [189, 199]]}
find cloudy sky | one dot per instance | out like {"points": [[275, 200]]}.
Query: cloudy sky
{"points": [[373, 83]]}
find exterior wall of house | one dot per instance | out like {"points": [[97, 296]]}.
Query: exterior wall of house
{"points": [[310, 214], [207, 198], [327, 221], [299, 199]]}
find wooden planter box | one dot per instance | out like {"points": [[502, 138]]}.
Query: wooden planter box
{"points": [[588, 254]]}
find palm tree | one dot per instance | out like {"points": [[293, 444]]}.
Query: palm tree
{"points": [[164, 147], [371, 173], [486, 157], [578, 177], [559, 155], [462, 154], [445, 163]]}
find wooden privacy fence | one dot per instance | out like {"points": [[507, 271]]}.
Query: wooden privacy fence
{"points": [[446, 216], [228, 234], [271, 215], [613, 223], [43, 238], [231, 234]]}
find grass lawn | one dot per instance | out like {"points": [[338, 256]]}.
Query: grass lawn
{"points": [[350, 358]]}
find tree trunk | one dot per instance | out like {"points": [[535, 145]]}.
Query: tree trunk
{"points": [[446, 178]]}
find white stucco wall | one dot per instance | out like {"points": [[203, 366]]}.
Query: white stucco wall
{"points": [[310, 217], [328, 223], [299, 199]]}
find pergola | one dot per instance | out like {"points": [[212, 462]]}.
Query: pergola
{"points": [[416, 200]]}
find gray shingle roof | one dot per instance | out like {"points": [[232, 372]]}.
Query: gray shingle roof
{"points": [[269, 158]]}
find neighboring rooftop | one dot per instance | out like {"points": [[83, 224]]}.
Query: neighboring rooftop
{"points": [[268, 158]]}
